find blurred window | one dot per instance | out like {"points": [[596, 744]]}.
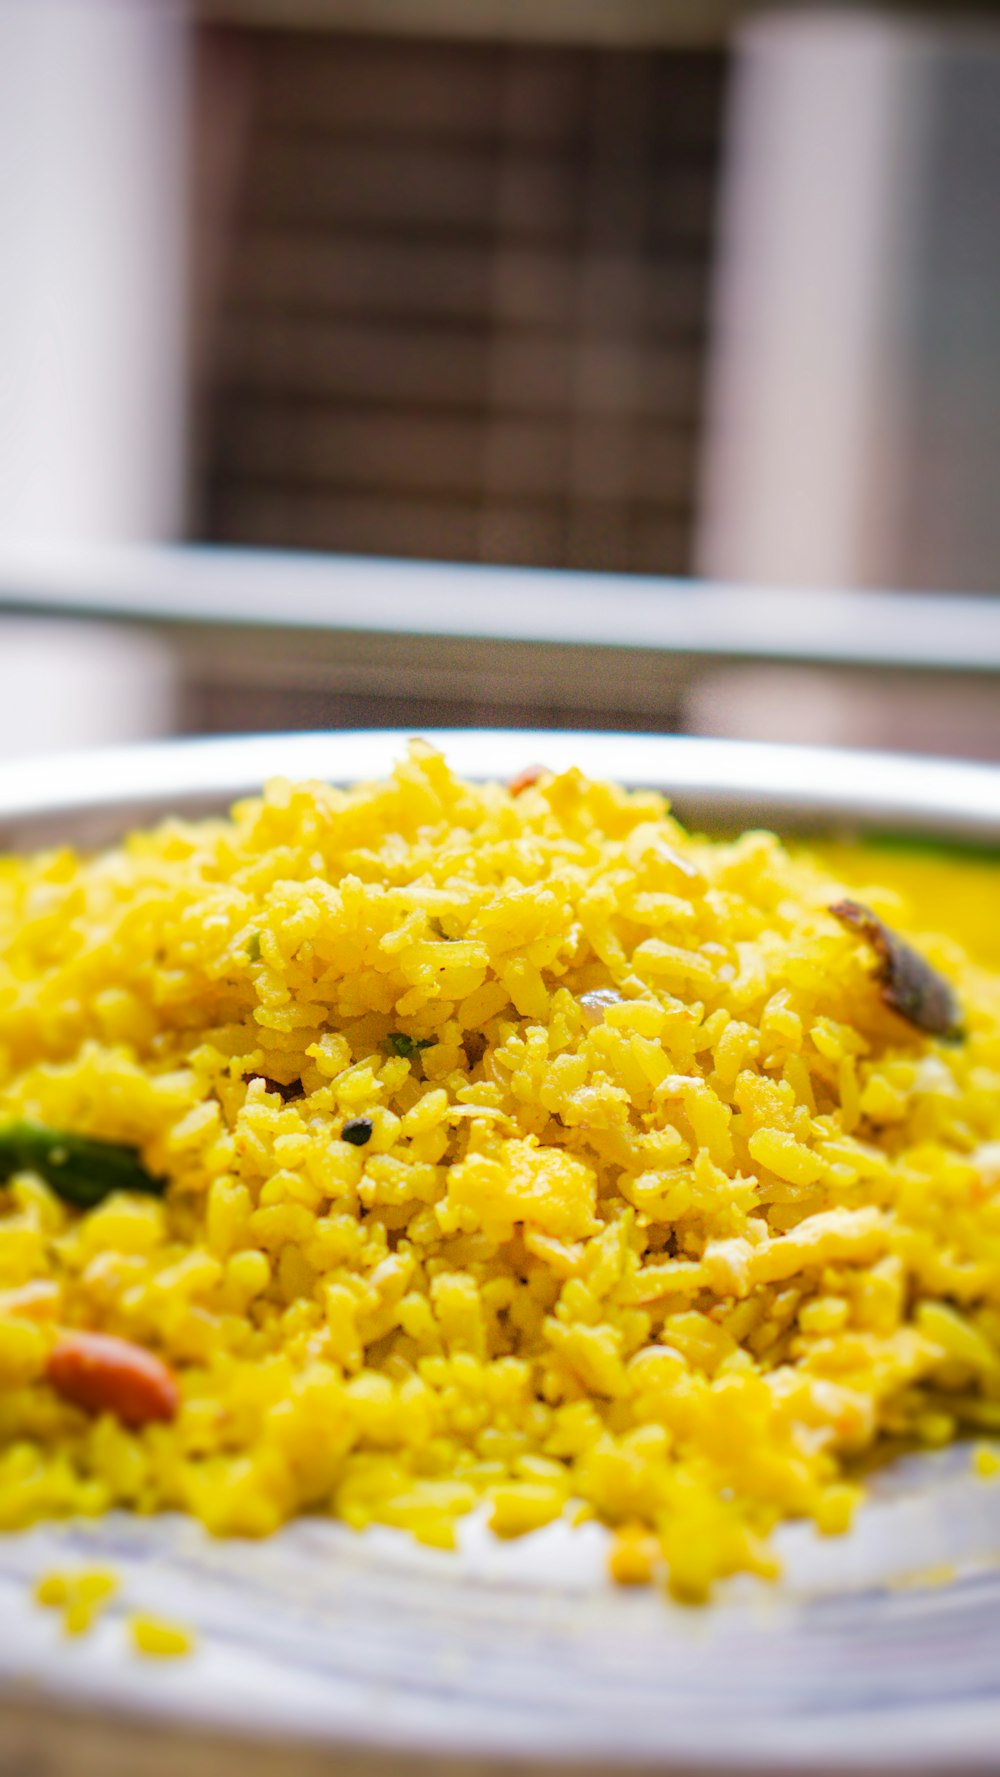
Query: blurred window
{"points": [[464, 312]]}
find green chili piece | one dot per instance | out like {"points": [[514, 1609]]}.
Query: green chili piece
{"points": [[78, 1168]]}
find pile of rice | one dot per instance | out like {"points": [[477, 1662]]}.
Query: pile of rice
{"points": [[668, 1221]]}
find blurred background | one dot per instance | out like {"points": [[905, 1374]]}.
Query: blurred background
{"points": [[666, 331]]}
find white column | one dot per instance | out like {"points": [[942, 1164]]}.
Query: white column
{"points": [[93, 379], [92, 268], [805, 421]]}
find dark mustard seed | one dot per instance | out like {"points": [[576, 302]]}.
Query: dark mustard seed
{"points": [[357, 1130]]}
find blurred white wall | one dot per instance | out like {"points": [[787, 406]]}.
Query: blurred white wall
{"points": [[92, 296], [93, 301], [71, 684]]}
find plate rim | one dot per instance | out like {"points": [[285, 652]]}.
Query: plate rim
{"points": [[721, 781], [799, 787]]}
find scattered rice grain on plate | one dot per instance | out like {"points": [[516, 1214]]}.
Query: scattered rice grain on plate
{"points": [[662, 1213], [159, 1639], [79, 1595]]}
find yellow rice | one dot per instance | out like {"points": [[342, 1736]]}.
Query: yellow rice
{"points": [[674, 1261]]}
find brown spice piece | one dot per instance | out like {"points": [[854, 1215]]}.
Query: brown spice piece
{"points": [[523, 780], [287, 1094], [910, 987], [104, 1374]]}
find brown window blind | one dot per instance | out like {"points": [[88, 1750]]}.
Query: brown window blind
{"points": [[464, 315]]}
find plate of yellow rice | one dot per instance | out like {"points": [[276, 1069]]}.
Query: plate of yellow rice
{"points": [[500, 1252]]}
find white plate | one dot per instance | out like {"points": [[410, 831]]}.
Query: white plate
{"points": [[522, 1655]]}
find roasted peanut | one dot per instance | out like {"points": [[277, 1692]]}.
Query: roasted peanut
{"points": [[104, 1374]]}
